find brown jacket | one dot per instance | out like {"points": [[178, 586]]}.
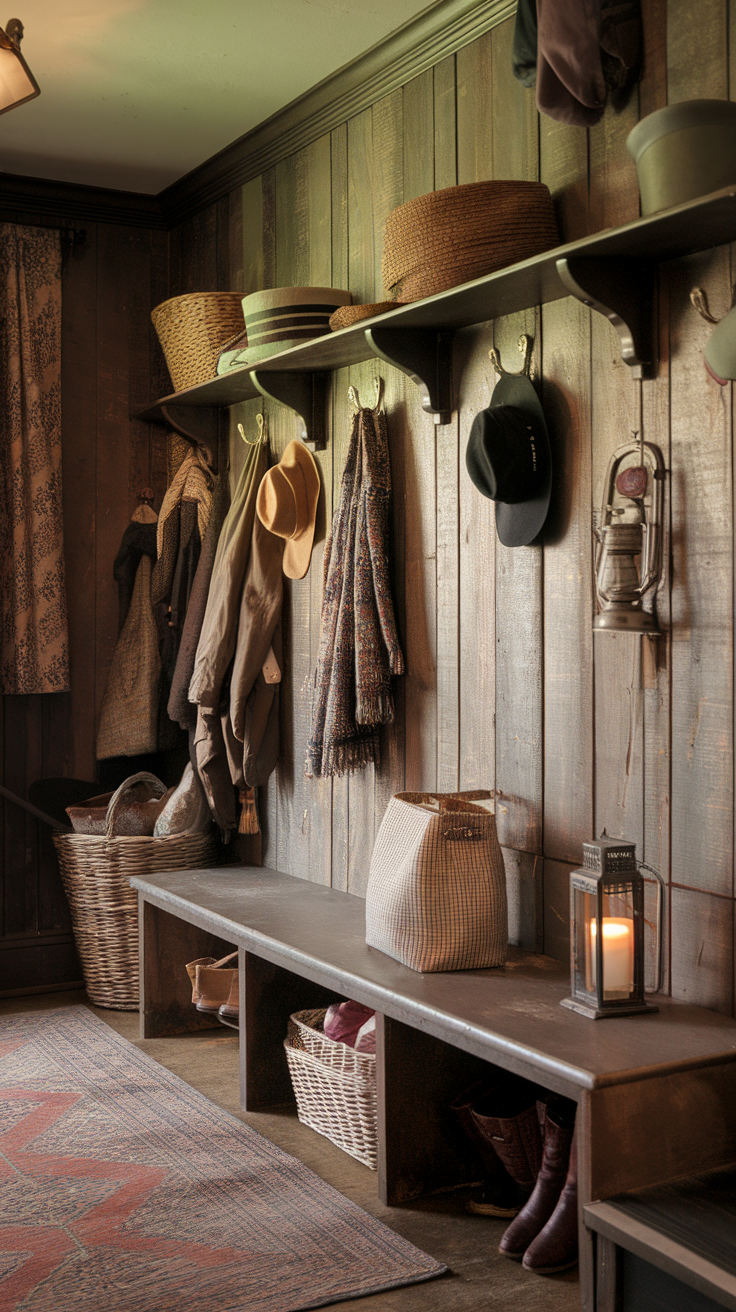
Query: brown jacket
{"points": [[253, 739], [216, 646], [237, 734]]}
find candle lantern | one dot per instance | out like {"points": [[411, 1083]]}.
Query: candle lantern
{"points": [[607, 932]]}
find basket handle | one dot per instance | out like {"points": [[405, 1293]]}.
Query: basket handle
{"points": [[450, 801], [126, 786]]}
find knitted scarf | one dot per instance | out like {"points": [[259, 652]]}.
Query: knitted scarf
{"points": [[358, 647]]}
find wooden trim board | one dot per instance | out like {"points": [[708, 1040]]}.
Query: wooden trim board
{"points": [[652, 1246], [49, 202]]}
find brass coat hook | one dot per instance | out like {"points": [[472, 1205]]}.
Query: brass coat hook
{"points": [[354, 398], [262, 432], [699, 298], [526, 346]]}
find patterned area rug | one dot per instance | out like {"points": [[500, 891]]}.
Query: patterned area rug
{"points": [[122, 1188]]}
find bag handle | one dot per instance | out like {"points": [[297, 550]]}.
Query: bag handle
{"points": [[223, 961], [451, 801], [120, 793]]}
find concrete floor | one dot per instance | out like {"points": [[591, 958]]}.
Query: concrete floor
{"points": [[481, 1280]]}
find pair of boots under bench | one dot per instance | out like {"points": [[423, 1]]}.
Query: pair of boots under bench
{"points": [[528, 1152], [215, 988]]}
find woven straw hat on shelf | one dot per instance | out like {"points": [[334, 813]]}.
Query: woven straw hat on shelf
{"points": [[193, 329], [347, 315], [449, 237]]}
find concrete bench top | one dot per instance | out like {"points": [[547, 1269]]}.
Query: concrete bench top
{"points": [[510, 1015]]}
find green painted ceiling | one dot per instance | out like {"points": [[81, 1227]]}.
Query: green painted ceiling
{"points": [[135, 93]]}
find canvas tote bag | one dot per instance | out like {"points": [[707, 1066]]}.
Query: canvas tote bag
{"points": [[436, 896]]}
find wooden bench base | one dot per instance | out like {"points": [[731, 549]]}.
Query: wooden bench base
{"points": [[656, 1094]]}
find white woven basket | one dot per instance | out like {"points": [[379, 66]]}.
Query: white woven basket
{"points": [[335, 1087]]}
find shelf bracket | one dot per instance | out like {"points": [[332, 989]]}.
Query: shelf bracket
{"points": [[623, 291], [425, 354], [305, 394], [199, 425]]}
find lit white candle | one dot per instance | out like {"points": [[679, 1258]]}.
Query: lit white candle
{"points": [[618, 956]]}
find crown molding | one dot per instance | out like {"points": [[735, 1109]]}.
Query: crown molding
{"points": [[32, 200], [407, 52]]}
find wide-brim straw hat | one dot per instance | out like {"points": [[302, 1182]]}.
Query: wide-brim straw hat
{"points": [[449, 237], [287, 506], [347, 315], [283, 317]]}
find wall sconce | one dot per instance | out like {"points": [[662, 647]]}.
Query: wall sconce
{"points": [[17, 83], [628, 561], [607, 932]]}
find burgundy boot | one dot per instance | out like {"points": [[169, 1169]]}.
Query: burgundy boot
{"points": [[556, 1246], [533, 1217], [501, 1196], [507, 1120]]}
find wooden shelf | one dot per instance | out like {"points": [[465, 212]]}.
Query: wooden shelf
{"points": [[613, 272]]}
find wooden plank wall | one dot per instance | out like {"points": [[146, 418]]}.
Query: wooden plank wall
{"points": [[506, 686], [109, 372]]}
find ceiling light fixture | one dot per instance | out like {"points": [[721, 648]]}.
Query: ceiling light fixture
{"points": [[17, 83]]}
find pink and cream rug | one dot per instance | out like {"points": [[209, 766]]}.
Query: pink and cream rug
{"points": [[122, 1189]]}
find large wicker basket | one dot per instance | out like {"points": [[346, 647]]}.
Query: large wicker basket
{"points": [[335, 1087], [193, 329], [95, 870]]}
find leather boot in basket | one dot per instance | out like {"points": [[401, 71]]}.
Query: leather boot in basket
{"points": [[211, 984]]}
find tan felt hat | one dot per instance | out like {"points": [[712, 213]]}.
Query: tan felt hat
{"points": [[287, 505]]}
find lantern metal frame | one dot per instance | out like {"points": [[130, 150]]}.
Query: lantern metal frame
{"points": [[609, 870], [10, 40], [629, 528]]}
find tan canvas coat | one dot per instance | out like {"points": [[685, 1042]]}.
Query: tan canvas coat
{"points": [[236, 734]]}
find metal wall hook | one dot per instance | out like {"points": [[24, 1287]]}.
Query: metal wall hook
{"points": [[354, 398], [261, 422], [526, 346], [699, 298]]}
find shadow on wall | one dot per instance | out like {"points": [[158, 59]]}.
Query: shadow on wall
{"points": [[560, 416]]}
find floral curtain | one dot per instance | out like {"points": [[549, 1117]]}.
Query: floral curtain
{"points": [[34, 648]]}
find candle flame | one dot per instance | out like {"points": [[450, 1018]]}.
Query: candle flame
{"points": [[609, 930]]}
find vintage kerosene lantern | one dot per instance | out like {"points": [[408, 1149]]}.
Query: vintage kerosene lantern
{"points": [[607, 932], [628, 561]]}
